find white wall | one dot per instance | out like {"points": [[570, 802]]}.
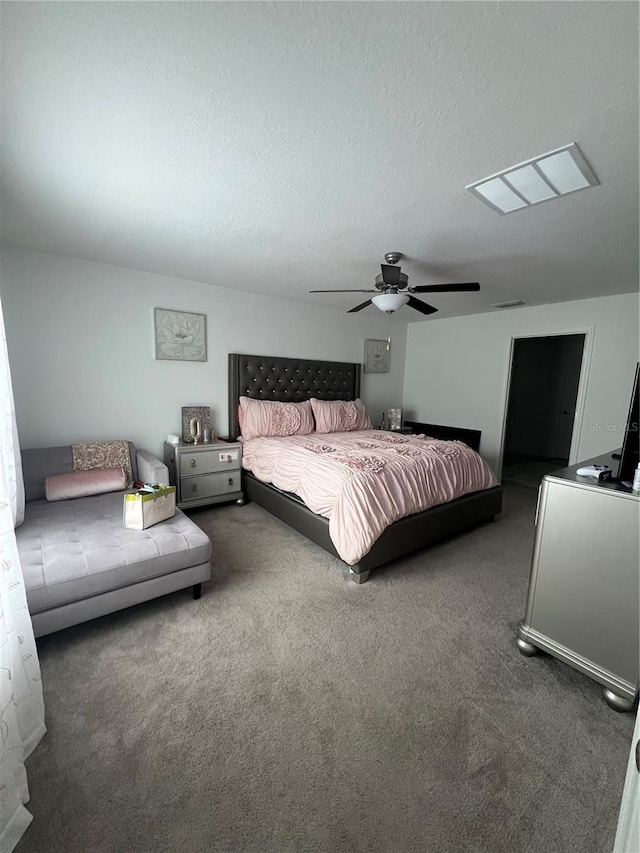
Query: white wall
{"points": [[81, 349], [457, 369]]}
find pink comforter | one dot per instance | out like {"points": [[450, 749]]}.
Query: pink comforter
{"points": [[363, 481]]}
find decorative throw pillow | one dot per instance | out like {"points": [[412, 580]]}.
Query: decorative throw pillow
{"points": [[340, 415], [268, 417], [82, 484]]}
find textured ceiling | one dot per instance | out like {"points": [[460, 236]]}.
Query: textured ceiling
{"points": [[278, 147]]}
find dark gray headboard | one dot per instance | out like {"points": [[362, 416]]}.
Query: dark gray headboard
{"points": [[267, 377]]}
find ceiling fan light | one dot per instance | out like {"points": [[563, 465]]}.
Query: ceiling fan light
{"points": [[390, 302]]}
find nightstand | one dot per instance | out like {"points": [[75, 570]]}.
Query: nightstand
{"points": [[205, 473]]}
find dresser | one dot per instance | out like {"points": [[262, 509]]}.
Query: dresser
{"points": [[582, 605], [205, 473]]}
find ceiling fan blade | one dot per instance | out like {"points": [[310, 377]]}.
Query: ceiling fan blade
{"points": [[343, 291], [422, 307], [359, 307], [445, 288], [390, 275]]}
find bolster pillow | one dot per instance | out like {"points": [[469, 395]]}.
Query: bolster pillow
{"points": [[82, 484]]}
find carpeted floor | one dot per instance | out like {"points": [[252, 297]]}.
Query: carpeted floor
{"points": [[292, 710], [530, 472]]}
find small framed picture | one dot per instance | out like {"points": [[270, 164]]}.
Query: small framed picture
{"points": [[180, 335], [394, 418], [202, 414], [376, 356]]}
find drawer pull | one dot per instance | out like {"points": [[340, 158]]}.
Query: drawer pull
{"points": [[194, 487], [231, 481], [192, 463]]}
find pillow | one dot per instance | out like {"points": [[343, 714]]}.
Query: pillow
{"points": [[340, 415], [82, 484], [269, 417]]}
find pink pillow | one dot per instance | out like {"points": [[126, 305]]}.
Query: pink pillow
{"points": [[269, 417], [81, 484], [340, 415]]}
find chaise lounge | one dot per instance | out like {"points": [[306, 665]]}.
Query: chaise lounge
{"points": [[80, 562]]}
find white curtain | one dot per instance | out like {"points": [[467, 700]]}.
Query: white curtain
{"points": [[21, 705]]}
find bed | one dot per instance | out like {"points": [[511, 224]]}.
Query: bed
{"points": [[297, 380]]}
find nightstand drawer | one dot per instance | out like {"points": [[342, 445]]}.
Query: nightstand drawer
{"points": [[209, 461], [209, 486]]}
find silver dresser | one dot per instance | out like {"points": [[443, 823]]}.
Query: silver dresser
{"points": [[584, 589]]}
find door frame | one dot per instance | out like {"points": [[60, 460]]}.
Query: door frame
{"points": [[585, 367]]}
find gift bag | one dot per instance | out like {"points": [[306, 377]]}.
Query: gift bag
{"points": [[148, 505]]}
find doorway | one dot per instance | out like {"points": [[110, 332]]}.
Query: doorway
{"points": [[543, 393]]}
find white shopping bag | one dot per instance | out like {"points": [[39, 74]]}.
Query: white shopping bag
{"points": [[152, 503]]}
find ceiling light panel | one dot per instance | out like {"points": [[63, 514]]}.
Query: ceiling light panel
{"points": [[500, 195], [530, 184], [542, 178], [563, 172]]}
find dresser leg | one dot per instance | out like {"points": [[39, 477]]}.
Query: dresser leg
{"points": [[197, 591], [618, 703], [525, 648], [522, 641]]}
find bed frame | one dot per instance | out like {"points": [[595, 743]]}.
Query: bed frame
{"points": [[294, 380]]}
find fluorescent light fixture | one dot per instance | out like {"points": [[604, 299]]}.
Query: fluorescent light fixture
{"points": [[390, 302], [500, 195], [542, 178], [562, 171], [530, 184]]}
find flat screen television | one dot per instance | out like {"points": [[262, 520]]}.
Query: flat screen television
{"points": [[630, 454]]}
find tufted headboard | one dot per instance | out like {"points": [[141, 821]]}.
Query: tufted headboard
{"points": [[267, 377]]}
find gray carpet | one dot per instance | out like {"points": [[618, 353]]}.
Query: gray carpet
{"points": [[530, 472], [292, 710]]}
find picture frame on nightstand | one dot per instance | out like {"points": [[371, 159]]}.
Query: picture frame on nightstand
{"points": [[202, 413], [394, 419]]}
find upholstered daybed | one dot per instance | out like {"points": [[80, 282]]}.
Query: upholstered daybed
{"points": [[80, 562]]}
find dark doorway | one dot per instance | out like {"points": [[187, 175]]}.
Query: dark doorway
{"points": [[543, 390]]}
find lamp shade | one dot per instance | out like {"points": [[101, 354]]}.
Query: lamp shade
{"points": [[390, 302]]}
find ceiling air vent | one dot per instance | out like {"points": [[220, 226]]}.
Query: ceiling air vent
{"points": [[545, 177], [513, 304]]}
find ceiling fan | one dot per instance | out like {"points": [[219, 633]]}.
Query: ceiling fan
{"points": [[394, 290]]}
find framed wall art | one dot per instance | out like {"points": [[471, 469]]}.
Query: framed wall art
{"points": [[376, 356], [180, 335]]}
